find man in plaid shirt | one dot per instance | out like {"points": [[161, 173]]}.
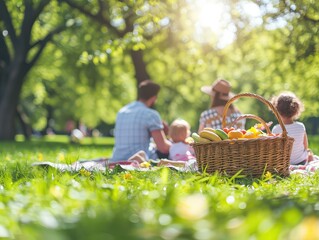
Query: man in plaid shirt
{"points": [[137, 124]]}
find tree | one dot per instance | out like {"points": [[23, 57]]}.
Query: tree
{"points": [[133, 22], [293, 26], [150, 32], [90, 72], [20, 51]]}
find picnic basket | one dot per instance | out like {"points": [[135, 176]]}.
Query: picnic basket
{"points": [[253, 157]]}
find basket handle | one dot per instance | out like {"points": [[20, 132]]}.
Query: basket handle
{"points": [[260, 98], [251, 116]]}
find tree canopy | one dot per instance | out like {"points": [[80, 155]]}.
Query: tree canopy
{"points": [[82, 60]]}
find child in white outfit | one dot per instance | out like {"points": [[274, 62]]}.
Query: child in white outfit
{"points": [[179, 131], [290, 107]]}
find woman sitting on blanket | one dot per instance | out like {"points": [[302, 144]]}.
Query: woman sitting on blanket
{"points": [[290, 107]]}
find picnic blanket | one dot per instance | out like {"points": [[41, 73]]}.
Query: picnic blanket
{"points": [[102, 164], [309, 168]]}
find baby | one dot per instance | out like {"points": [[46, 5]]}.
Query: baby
{"points": [[178, 132]]}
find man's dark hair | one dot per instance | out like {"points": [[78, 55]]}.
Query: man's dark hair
{"points": [[148, 89]]}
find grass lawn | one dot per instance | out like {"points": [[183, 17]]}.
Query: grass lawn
{"points": [[163, 204]]}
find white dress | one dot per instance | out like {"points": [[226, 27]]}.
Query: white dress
{"points": [[296, 130]]}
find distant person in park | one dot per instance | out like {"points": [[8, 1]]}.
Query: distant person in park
{"points": [[220, 93], [290, 107], [76, 136], [179, 131], [137, 126]]}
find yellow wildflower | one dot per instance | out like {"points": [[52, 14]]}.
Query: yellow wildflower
{"points": [[128, 176], [61, 156], [268, 175], [40, 156], [145, 165], [85, 172]]}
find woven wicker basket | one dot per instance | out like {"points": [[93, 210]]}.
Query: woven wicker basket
{"points": [[253, 157]]}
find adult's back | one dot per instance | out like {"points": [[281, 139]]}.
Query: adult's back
{"points": [[137, 124], [134, 125]]}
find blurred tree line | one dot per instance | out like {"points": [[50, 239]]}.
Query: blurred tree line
{"points": [[81, 60]]}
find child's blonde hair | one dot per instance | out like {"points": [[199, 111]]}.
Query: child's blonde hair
{"points": [[288, 105], [179, 130]]}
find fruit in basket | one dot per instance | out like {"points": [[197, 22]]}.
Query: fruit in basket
{"points": [[221, 134], [257, 132], [235, 134], [204, 140], [249, 135], [243, 131], [226, 129], [209, 135], [209, 129], [195, 136], [254, 130], [189, 140]]}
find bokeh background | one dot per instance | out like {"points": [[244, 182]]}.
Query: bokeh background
{"points": [[68, 64]]}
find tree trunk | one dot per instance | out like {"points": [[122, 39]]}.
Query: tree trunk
{"points": [[139, 66], [7, 126], [13, 70], [25, 127], [9, 100]]}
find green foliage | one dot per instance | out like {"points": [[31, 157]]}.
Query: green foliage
{"points": [[164, 204], [88, 74]]}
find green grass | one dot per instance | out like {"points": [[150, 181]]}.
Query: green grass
{"points": [[163, 204]]}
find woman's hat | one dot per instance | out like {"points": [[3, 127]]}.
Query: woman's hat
{"points": [[222, 86]]}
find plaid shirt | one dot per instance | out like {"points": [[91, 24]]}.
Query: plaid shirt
{"points": [[211, 118], [133, 127]]}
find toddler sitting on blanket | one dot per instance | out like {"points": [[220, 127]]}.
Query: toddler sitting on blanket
{"points": [[179, 132], [290, 107]]}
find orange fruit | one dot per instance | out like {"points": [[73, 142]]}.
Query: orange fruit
{"points": [[235, 134]]}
